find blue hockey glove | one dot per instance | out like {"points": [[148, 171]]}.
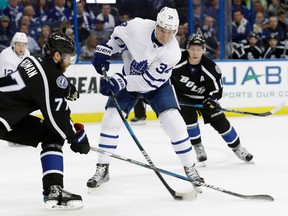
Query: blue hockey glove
{"points": [[115, 84], [102, 58], [79, 142], [210, 104]]}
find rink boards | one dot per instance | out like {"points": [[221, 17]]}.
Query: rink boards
{"points": [[254, 86]]}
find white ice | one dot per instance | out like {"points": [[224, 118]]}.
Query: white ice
{"points": [[134, 190]]}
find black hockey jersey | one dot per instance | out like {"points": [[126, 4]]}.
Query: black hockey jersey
{"points": [[36, 85], [197, 82]]}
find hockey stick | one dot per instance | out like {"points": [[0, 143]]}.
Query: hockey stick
{"points": [[176, 195], [264, 114], [156, 169]]}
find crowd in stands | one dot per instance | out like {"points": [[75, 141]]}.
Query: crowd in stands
{"points": [[259, 30]]}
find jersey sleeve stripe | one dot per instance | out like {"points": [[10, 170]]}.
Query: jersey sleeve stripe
{"points": [[217, 88]]}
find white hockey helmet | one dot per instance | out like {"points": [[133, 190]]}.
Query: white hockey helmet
{"points": [[168, 19], [19, 37]]}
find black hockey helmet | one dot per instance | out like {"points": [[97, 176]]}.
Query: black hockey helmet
{"points": [[62, 43], [253, 35], [196, 39]]}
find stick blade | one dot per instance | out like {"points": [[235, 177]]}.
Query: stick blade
{"points": [[260, 197], [276, 109]]}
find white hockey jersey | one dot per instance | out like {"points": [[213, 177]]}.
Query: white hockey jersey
{"points": [[9, 60], [147, 65]]}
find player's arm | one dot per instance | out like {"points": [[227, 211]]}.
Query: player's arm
{"points": [[213, 80], [51, 100]]}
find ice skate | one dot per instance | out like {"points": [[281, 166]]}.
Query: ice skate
{"points": [[201, 155], [57, 198], [243, 154], [138, 121], [101, 176], [192, 173]]}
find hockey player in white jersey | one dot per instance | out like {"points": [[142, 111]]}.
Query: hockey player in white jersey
{"points": [[152, 52], [10, 58]]}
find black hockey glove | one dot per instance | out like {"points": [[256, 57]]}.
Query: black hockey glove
{"points": [[73, 93], [210, 104], [79, 142]]}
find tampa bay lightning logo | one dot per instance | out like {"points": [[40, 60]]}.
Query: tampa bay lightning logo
{"points": [[62, 82], [138, 68]]}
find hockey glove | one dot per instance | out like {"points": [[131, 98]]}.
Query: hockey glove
{"points": [[210, 104], [115, 84], [79, 142], [102, 58], [73, 93]]}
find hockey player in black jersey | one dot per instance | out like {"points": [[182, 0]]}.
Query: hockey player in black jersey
{"points": [[197, 80], [39, 84]]}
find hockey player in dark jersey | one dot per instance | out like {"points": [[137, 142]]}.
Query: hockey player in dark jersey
{"points": [[39, 84], [197, 80]]}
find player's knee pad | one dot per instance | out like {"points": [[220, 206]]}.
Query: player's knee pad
{"points": [[173, 124], [111, 122]]}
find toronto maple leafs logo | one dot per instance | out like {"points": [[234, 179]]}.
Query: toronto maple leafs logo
{"points": [[138, 68]]}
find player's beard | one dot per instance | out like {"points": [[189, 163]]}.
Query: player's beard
{"points": [[61, 66]]}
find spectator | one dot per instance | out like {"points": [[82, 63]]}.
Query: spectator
{"points": [[87, 18], [88, 50], [181, 36], [41, 10], [70, 32], [5, 32], [240, 27], [14, 12], [259, 24], [251, 49], [237, 5], [34, 23], [58, 14], [109, 20], [274, 49], [282, 18], [274, 28], [197, 16], [45, 32], [124, 18], [209, 33], [275, 6], [213, 9], [102, 34], [83, 33], [33, 46], [259, 7]]}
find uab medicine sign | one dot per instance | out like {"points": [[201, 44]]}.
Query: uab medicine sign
{"points": [[254, 83]]}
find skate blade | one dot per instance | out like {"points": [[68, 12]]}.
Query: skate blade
{"points": [[71, 205]]}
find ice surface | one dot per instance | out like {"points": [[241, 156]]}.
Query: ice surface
{"points": [[134, 190]]}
